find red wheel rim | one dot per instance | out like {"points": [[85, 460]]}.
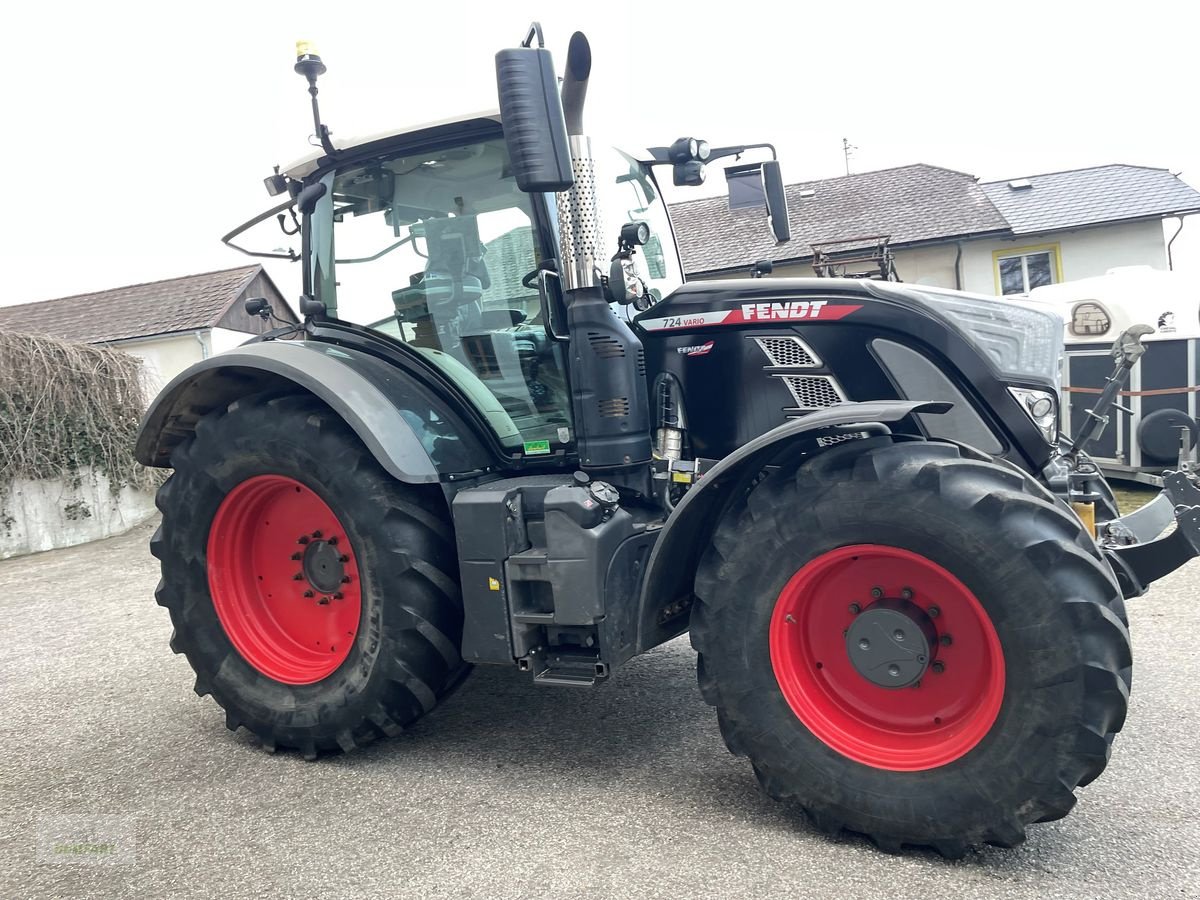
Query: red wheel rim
{"points": [[936, 721], [284, 579]]}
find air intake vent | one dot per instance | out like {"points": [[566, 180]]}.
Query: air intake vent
{"points": [[813, 391], [614, 408], [641, 362], [604, 346], [789, 351]]}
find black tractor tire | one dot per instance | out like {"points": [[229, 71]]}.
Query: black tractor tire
{"points": [[1039, 586], [399, 569]]}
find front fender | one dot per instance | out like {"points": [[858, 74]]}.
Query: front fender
{"points": [[392, 414], [685, 535]]}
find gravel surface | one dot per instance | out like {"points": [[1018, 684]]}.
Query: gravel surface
{"points": [[118, 781]]}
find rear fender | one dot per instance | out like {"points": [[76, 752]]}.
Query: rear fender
{"points": [[686, 534], [413, 435]]}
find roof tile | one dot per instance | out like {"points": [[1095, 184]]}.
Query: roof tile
{"points": [[1094, 196], [137, 310], [910, 203]]}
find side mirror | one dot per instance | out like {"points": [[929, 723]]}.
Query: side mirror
{"points": [[532, 113], [777, 211]]}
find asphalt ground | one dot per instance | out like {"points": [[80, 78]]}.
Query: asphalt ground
{"points": [[117, 780]]}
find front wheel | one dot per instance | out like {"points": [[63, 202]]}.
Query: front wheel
{"points": [[315, 597], [914, 645]]}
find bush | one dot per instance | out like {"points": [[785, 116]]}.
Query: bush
{"points": [[65, 407]]}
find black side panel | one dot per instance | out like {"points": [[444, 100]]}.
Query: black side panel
{"points": [[709, 334], [547, 571], [608, 386], [489, 525]]}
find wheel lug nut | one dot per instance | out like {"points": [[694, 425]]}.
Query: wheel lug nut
{"points": [[303, 539], [938, 667], [864, 644], [343, 558], [297, 556], [332, 541], [876, 592], [324, 601], [906, 593], [309, 594], [854, 609], [345, 579], [299, 576], [946, 640], [316, 535], [337, 596], [934, 612]]}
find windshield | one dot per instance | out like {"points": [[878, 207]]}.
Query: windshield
{"points": [[627, 193], [433, 249]]}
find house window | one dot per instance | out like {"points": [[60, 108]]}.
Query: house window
{"points": [[1020, 271]]}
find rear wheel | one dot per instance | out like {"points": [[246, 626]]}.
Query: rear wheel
{"points": [[314, 596], [913, 645]]}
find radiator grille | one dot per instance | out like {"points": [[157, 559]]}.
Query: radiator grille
{"points": [[813, 391], [789, 351]]}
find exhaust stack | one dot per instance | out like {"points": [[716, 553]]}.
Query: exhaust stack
{"points": [[579, 225], [608, 365]]}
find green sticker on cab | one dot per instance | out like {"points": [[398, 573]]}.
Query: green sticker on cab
{"points": [[537, 448]]}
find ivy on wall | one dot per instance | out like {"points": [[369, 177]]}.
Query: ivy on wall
{"points": [[66, 407]]}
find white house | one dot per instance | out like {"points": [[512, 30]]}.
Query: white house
{"points": [[936, 226], [168, 324]]}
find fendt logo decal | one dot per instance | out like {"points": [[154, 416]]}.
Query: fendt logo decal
{"points": [[779, 311], [696, 349]]}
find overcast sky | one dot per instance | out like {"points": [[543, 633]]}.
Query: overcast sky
{"points": [[133, 135]]}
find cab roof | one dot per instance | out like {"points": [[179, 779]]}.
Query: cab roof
{"points": [[306, 164]]}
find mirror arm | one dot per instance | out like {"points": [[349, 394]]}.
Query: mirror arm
{"points": [[661, 156], [227, 240]]}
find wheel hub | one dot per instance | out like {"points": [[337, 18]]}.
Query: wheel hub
{"points": [[846, 694], [322, 566], [290, 605], [889, 643]]}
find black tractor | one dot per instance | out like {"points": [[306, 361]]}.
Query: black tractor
{"points": [[507, 432]]}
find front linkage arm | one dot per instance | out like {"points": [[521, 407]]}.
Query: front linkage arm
{"points": [[1137, 565], [1131, 544]]}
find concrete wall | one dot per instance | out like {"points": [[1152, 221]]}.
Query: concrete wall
{"points": [[46, 515]]}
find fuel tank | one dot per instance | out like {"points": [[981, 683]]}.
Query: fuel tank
{"points": [[752, 353]]}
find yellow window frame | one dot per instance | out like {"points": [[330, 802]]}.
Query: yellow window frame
{"points": [[1055, 249]]}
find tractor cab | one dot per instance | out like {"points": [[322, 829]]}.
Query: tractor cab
{"points": [[425, 237]]}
